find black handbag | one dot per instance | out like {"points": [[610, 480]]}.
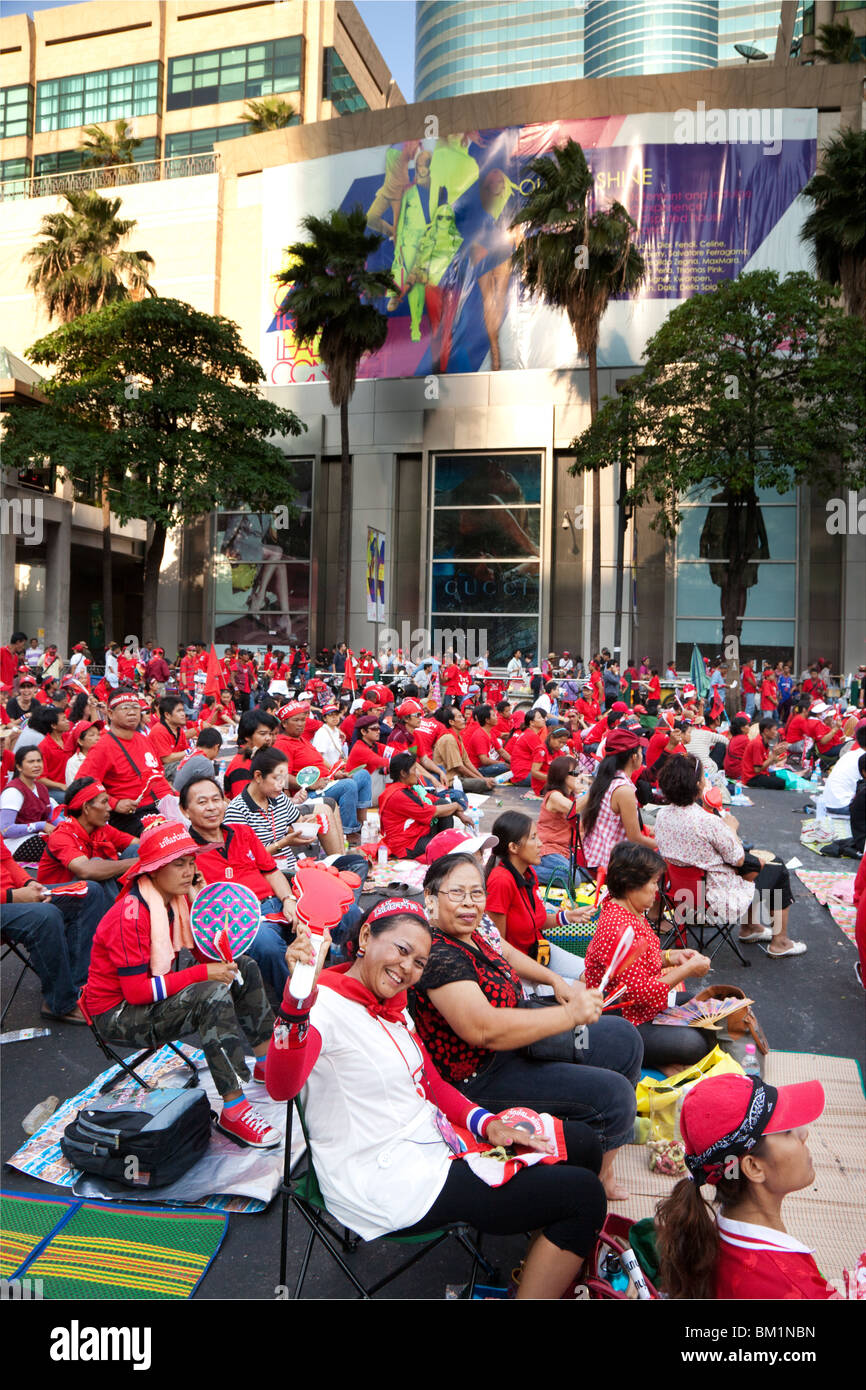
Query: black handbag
{"points": [[559, 1047]]}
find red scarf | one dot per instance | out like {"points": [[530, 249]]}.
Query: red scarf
{"points": [[337, 979]]}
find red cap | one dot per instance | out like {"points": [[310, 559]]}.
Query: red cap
{"points": [[619, 707], [456, 842], [81, 728], [159, 845], [407, 707], [620, 741], [639, 709], [719, 1105], [26, 680]]}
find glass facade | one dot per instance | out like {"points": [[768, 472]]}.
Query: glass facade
{"points": [[234, 74], [339, 86], [261, 588], [770, 598], [67, 161], [485, 570], [201, 141], [15, 178], [479, 47], [16, 111], [93, 97], [646, 36]]}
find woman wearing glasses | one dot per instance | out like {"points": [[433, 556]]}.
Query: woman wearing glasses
{"points": [[470, 1012]]}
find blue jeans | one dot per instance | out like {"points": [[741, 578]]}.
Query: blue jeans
{"points": [[58, 936], [551, 864], [111, 886], [493, 769], [597, 1086], [364, 782], [750, 703], [268, 949], [345, 793]]}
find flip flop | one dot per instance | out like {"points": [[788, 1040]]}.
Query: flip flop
{"points": [[796, 948]]}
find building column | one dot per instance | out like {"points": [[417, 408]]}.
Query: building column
{"points": [[7, 583], [58, 553]]}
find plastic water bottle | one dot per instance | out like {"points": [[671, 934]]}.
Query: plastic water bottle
{"points": [[382, 855], [816, 776], [366, 834], [738, 790], [750, 1061], [457, 785]]}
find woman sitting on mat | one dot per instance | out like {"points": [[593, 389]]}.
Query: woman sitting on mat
{"points": [[408, 822], [468, 1008], [135, 992], [747, 1140], [632, 884], [688, 834], [562, 799], [513, 902], [378, 1113]]}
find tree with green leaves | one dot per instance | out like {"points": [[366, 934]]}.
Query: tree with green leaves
{"points": [[837, 43], [162, 401], [757, 384], [332, 299], [577, 260], [106, 149], [80, 266], [835, 229], [271, 113]]}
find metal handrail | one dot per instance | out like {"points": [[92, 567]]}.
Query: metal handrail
{"points": [[108, 176]]}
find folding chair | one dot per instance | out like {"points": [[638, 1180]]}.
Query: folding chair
{"points": [[14, 948], [129, 1064], [300, 1190], [684, 911]]}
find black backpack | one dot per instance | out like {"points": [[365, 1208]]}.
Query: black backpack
{"points": [[148, 1140]]}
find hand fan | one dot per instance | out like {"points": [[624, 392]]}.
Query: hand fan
{"points": [[601, 875], [625, 953], [152, 778], [324, 895], [224, 919], [308, 776], [67, 890]]}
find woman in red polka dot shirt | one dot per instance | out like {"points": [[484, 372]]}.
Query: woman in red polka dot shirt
{"points": [[632, 881]]}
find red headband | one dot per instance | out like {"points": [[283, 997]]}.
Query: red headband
{"points": [[392, 906], [126, 697], [84, 795]]}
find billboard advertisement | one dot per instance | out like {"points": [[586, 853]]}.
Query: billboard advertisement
{"points": [[713, 193]]}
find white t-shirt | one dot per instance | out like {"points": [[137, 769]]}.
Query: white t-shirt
{"points": [[330, 743], [380, 1159], [842, 780]]}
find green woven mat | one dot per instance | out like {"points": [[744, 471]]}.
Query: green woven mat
{"points": [[113, 1252], [24, 1224]]}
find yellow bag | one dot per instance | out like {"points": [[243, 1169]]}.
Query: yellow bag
{"points": [[659, 1101]]}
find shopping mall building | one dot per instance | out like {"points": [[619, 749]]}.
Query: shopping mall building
{"points": [[465, 515]]}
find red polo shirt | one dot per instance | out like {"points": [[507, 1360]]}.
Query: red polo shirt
{"points": [[241, 858], [756, 756], [362, 754], [164, 744], [523, 910], [404, 817], [70, 841], [525, 750]]}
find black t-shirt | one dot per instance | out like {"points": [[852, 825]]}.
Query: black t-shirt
{"points": [[451, 962]]}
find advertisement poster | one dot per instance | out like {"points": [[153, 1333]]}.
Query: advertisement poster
{"points": [[712, 193], [375, 576]]}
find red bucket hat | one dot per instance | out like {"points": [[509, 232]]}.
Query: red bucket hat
{"points": [[160, 845]]}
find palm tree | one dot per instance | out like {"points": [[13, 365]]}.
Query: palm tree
{"points": [[837, 43], [107, 148], [577, 261], [332, 300], [271, 113], [836, 228], [79, 267]]}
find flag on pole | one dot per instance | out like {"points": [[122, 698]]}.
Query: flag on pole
{"points": [[215, 680], [349, 677], [698, 672]]}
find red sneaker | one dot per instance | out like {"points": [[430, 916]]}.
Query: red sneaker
{"points": [[259, 1070], [250, 1128]]}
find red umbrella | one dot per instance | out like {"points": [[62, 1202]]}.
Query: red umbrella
{"points": [[216, 680]]}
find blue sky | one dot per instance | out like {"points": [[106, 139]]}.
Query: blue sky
{"points": [[391, 22]]}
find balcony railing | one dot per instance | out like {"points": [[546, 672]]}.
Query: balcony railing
{"points": [[112, 176]]}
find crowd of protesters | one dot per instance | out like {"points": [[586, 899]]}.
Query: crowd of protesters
{"points": [[143, 779]]}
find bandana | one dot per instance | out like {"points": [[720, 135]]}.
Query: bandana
{"points": [[709, 1166], [391, 906], [84, 795], [290, 710], [125, 697], [336, 978]]}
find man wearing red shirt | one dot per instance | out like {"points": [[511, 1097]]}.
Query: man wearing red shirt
{"points": [[57, 932], [749, 686], [408, 821], [482, 745], [157, 669], [769, 694], [527, 750], [187, 669], [84, 845], [453, 683], [235, 854], [125, 763], [301, 754], [588, 710], [758, 755]]}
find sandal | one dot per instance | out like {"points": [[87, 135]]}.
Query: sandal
{"points": [[75, 1016], [765, 935], [796, 948]]}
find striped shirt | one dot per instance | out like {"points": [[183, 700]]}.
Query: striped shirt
{"points": [[268, 825]]}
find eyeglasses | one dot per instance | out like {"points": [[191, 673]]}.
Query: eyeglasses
{"points": [[459, 895]]}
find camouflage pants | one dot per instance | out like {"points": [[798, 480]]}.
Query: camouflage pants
{"points": [[217, 1012]]}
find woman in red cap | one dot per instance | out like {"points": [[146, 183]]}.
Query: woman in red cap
{"points": [[747, 1140], [136, 993]]}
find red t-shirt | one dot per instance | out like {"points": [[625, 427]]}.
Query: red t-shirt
{"points": [[404, 818], [478, 743], [524, 912], [70, 841], [797, 728], [756, 756], [427, 735], [654, 689], [111, 761], [734, 755], [363, 754], [527, 748], [301, 754], [237, 774], [241, 858], [757, 1262], [597, 732], [54, 759], [769, 694], [748, 680], [165, 743]]}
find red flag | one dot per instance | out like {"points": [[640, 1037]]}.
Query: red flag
{"points": [[216, 680], [718, 702], [349, 677]]}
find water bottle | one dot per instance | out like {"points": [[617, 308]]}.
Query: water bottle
{"points": [[750, 1061], [366, 834], [457, 785], [816, 776], [382, 855], [738, 790]]}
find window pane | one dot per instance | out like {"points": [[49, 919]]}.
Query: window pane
{"points": [[697, 594], [478, 588], [487, 532], [501, 636], [484, 480]]}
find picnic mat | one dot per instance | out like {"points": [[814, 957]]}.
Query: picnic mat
{"points": [[409, 871], [829, 1216], [820, 883], [226, 1178], [78, 1249]]}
